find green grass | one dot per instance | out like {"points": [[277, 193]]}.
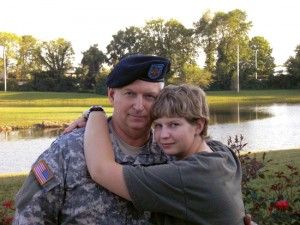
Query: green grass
{"points": [[24, 109], [24, 117], [279, 160], [51, 99], [10, 183], [254, 96]]}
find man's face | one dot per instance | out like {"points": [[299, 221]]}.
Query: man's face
{"points": [[132, 104]]}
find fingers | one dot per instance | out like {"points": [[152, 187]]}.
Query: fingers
{"points": [[76, 124], [71, 127], [247, 219]]}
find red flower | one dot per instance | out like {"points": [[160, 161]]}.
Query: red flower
{"points": [[8, 204], [282, 205], [8, 220]]}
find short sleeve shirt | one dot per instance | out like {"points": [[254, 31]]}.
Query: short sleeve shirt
{"points": [[204, 188]]}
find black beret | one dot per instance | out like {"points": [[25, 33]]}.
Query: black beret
{"points": [[138, 67]]}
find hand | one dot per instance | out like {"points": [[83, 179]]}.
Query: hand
{"points": [[80, 122], [248, 221]]}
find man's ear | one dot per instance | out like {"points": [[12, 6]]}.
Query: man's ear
{"points": [[111, 95]]}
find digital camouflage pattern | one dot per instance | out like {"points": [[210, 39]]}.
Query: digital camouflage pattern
{"points": [[71, 197]]}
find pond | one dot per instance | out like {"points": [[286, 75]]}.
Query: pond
{"points": [[264, 127]]}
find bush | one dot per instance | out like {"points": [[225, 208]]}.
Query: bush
{"points": [[284, 82], [6, 211], [47, 81], [277, 202]]}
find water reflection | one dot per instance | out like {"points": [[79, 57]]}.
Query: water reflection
{"points": [[237, 113], [29, 134], [277, 129], [264, 127]]}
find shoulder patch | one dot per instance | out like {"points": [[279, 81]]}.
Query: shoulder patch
{"points": [[42, 172]]}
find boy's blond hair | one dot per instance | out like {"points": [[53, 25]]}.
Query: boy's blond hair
{"points": [[186, 101]]}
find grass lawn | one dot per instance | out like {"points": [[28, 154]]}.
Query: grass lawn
{"points": [[254, 96], [279, 160], [24, 109]]}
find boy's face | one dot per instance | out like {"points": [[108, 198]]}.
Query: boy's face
{"points": [[176, 136]]}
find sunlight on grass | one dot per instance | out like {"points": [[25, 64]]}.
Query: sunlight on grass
{"points": [[22, 117]]}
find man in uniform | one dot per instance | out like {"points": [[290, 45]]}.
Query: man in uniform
{"points": [[59, 189]]}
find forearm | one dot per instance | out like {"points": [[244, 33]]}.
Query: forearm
{"points": [[96, 136], [100, 156]]}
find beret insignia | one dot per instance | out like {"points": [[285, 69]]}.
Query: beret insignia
{"points": [[155, 71]]}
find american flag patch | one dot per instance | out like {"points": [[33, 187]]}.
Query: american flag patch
{"points": [[42, 172]]}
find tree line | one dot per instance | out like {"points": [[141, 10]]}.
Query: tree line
{"points": [[49, 65]]}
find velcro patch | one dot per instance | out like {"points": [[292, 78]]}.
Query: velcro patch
{"points": [[42, 172]]}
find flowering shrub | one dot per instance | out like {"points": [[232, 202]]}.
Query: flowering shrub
{"points": [[6, 211], [278, 201]]}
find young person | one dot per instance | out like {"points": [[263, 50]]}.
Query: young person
{"points": [[202, 186]]}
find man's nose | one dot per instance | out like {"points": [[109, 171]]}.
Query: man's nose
{"points": [[139, 103]]}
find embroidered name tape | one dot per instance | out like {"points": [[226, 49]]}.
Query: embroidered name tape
{"points": [[42, 172]]}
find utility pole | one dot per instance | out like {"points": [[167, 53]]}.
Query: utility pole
{"points": [[4, 65], [238, 70], [256, 50]]}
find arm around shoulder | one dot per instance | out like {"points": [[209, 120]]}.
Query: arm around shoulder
{"points": [[100, 157]]}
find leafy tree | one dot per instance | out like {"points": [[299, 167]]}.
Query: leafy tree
{"points": [[100, 87], [56, 56], [206, 34], [123, 43], [158, 37], [195, 75], [220, 35], [10, 42], [92, 60], [265, 61], [172, 40], [293, 63], [26, 57], [234, 29]]}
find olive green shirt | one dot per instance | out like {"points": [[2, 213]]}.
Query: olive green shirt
{"points": [[204, 188]]}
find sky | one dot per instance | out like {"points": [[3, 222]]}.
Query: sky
{"points": [[88, 22]]}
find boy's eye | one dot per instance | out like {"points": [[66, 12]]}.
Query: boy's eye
{"points": [[173, 125], [157, 126]]}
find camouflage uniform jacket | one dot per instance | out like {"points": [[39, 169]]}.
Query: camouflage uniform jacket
{"points": [[71, 197]]}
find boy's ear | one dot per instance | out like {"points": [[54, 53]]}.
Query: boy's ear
{"points": [[200, 125]]}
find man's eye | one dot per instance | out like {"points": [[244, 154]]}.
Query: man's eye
{"points": [[129, 93], [151, 97]]}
